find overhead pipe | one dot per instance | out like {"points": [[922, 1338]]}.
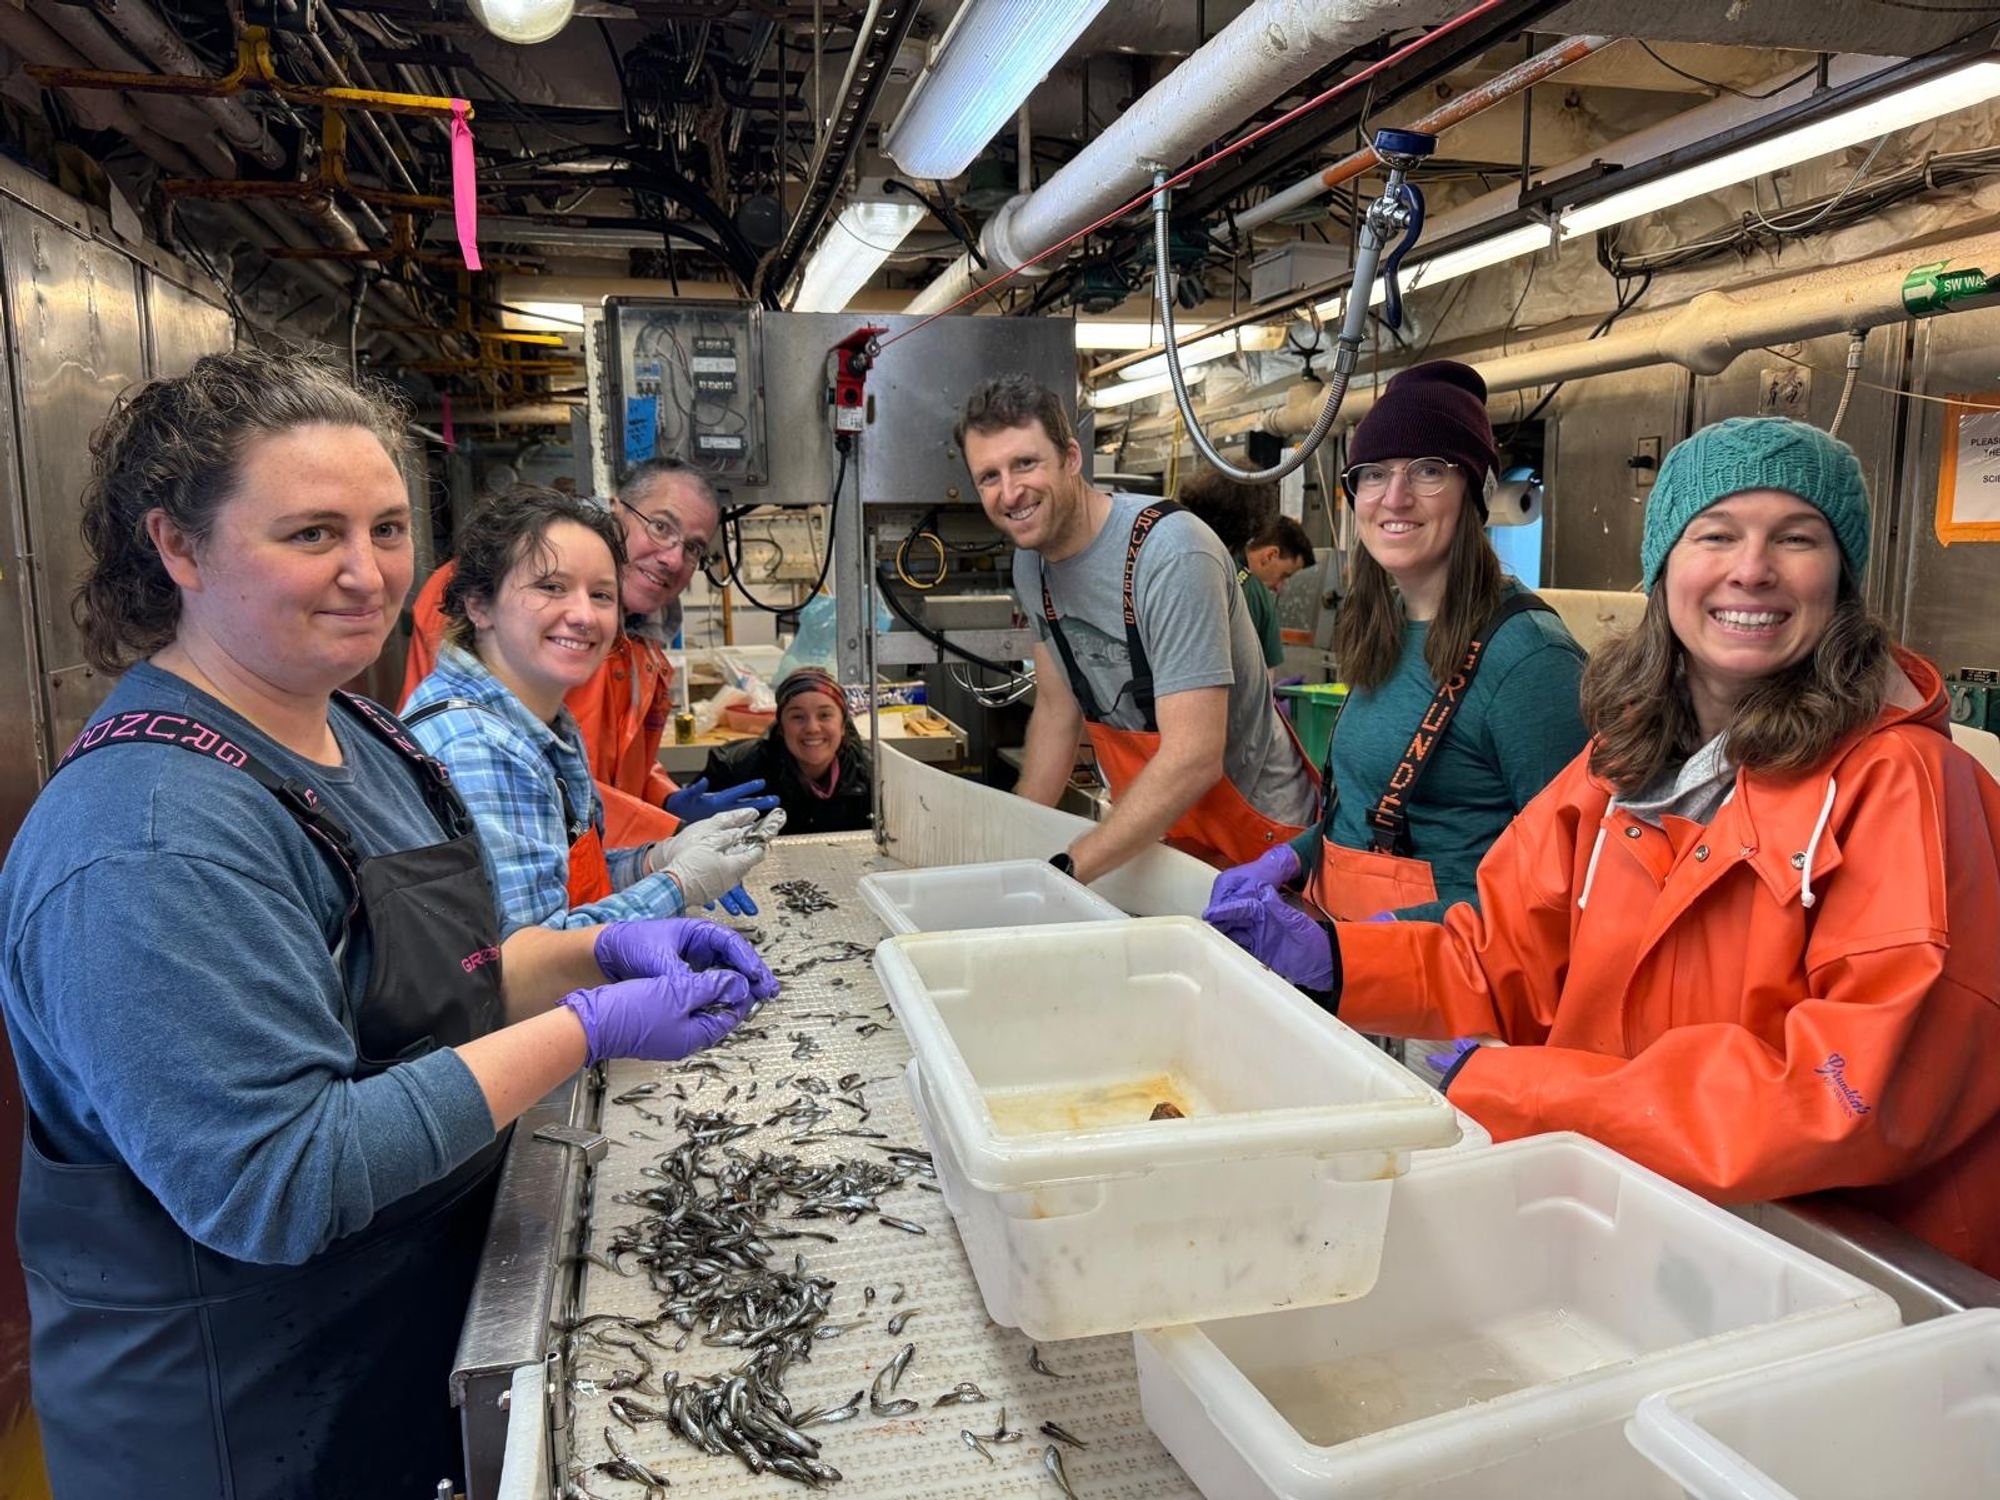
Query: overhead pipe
{"points": [[30, 38], [877, 39], [1709, 332], [1517, 79], [176, 117], [150, 35], [1272, 47], [1500, 209]]}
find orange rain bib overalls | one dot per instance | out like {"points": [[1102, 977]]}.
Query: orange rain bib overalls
{"points": [[1351, 885], [1222, 828]]}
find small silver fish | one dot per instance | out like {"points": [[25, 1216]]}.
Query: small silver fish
{"points": [[901, 1320], [1052, 1461], [971, 1440], [1035, 1364]]}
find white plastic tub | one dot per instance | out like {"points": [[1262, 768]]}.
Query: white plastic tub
{"points": [[1913, 1415], [1006, 893], [1041, 1054], [1531, 1294]]}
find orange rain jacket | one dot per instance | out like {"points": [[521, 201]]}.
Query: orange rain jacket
{"points": [[1802, 995], [622, 710]]}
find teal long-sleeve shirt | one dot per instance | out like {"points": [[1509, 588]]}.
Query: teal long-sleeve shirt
{"points": [[1521, 723]]}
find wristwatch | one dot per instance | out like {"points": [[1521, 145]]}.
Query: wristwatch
{"points": [[1063, 862]]}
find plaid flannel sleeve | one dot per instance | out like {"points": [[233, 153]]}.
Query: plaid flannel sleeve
{"points": [[513, 797]]}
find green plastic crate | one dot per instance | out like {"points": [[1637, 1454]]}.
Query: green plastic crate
{"points": [[1315, 706]]}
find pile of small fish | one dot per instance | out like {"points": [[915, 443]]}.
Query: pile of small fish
{"points": [[713, 1220], [802, 898]]}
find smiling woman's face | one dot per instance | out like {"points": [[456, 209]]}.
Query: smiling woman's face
{"points": [[812, 726], [1751, 587]]}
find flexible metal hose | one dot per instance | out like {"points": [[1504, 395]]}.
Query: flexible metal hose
{"points": [[1346, 353], [1857, 342]]}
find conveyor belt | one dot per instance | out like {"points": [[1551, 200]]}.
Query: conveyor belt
{"points": [[912, 1457]]}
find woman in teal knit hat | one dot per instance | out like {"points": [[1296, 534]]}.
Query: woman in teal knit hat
{"points": [[1747, 937]]}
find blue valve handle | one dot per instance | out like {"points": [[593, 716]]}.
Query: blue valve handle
{"points": [[1404, 143], [1413, 200]]}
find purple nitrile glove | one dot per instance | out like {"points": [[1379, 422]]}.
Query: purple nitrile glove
{"points": [[1445, 1061], [1277, 866], [665, 945], [694, 802], [1280, 936], [661, 1019]]}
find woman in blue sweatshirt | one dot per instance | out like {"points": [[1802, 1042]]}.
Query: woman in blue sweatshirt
{"points": [[253, 977]]}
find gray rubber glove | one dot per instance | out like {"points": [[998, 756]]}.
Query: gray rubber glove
{"points": [[708, 858]]}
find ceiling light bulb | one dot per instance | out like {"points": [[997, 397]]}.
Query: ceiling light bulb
{"points": [[523, 21]]}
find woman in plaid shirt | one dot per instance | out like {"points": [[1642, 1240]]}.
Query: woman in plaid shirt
{"points": [[533, 607]]}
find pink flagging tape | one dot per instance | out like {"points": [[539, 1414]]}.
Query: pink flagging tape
{"points": [[464, 200]]}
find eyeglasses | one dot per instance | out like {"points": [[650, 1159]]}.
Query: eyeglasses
{"points": [[1425, 477], [667, 532]]}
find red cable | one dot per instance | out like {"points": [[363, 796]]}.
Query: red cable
{"points": [[1406, 50]]}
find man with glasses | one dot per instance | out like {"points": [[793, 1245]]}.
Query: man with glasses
{"points": [[1146, 644], [670, 517]]}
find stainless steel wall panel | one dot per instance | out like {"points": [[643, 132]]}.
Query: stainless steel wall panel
{"points": [[181, 327], [75, 339], [21, 741], [1950, 596], [1595, 504], [1872, 427]]}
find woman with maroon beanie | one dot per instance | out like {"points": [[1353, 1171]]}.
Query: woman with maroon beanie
{"points": [[1462, 701], [811, 758]]}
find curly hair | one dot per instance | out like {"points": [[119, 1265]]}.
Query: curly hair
{"points": [[511, 526], [1233, 510], [176, 446]]}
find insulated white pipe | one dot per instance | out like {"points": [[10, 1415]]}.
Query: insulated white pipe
{"points": [[100, 109], [1273, 46], [1705, 335], [150, 35]]}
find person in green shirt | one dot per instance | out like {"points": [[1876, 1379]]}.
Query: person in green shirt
{"points": [[1263, 567], [1410, 814]]}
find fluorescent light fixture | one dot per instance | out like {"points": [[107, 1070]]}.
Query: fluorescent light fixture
{"points": [[1911, 106], [1974, 84], [524, 22], [543, 317], [1510, 245], [990, 60], [1123, 392], [1202, 351], [867, 233], [1124, 334]]}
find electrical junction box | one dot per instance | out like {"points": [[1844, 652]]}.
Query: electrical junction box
{"points": [[1294, 267], [1975, 697], [684, 380]]}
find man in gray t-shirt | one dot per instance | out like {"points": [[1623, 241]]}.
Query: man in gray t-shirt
{"points": [[1222, 777]]}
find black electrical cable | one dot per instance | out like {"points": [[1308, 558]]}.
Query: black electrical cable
{"points": [[1628, 298], [735, 529], [1720, 87], [886, 578]]}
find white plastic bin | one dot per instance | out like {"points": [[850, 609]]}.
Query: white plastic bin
{"points": [[1913, 1415], [1006, 893], [1041, 1054], [1531, 1294]]}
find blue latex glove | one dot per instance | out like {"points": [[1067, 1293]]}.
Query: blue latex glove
{"points": [[1278, 935], [1445, 1061], [1277, 866], [693, 803], [668, 945], [736, 901], [660, 1019]]}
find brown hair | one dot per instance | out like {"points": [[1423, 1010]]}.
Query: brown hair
{"points": [[1288, 536], [1230, 508], [174, 446], [1014, 400], [1368, 634], [1642, 720], [642, 476], [509, 528]]}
